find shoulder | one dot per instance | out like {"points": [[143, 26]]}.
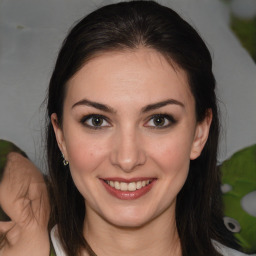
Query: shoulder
{"points": [[226, 251]]}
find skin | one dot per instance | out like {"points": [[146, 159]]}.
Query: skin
{"points": [[24, 198], [129, 144]]}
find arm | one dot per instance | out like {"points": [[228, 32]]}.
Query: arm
{"points": [[24, 198]]}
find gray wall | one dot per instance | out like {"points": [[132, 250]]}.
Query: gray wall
{"points": [[31, 32]]}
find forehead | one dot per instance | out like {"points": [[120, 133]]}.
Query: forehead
{"points": [[132, 75]]}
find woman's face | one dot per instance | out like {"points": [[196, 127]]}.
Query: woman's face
{"points": [[129, 131]]}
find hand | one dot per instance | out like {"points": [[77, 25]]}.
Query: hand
{"points": [[24, 198]]}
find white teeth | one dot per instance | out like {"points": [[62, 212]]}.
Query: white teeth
{"points": [[132, 186], [138, 185], [123, 186], [117, 185]]}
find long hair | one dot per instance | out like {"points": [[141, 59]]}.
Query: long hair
{"points": [[130, 25]]}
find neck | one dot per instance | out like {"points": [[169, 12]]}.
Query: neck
{"points": [[158, 237]]}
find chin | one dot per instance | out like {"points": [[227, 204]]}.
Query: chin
{"points": [[129, 218], [129, 223]]}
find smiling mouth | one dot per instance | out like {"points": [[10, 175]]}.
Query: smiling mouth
{"points": [[128, 186]]}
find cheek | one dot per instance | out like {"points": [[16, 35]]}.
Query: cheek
{"points": [[85, 155], [84, 160], [173, 155]]}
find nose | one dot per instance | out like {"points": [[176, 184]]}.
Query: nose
{"points": [[127, 151]]}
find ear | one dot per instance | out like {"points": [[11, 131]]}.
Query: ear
{"points": [[59, 134], [201, 135]]}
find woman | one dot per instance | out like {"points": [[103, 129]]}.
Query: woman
{"points": [[132, 138], [133, 108]]}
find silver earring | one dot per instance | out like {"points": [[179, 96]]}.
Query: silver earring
{"points": [[65, 162]]}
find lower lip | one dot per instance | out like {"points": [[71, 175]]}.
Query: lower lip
{"points": [[128, 195]]}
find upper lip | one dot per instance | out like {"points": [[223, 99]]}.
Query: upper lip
{"points": [[135, 179]]}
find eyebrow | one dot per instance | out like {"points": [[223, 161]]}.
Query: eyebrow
{"points": [[161, 104], [108, 109], [86, 102]]}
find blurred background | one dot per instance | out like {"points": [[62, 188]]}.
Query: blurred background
{"points": [[31, 32]]}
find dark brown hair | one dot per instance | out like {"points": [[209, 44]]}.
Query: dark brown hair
{"points": [[129, 25]]}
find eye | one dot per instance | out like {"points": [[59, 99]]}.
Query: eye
{"points": [[160, 121], [232, 224], [95, 121]]}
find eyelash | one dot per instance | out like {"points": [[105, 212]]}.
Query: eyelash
{"points": [[170, 119]]}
